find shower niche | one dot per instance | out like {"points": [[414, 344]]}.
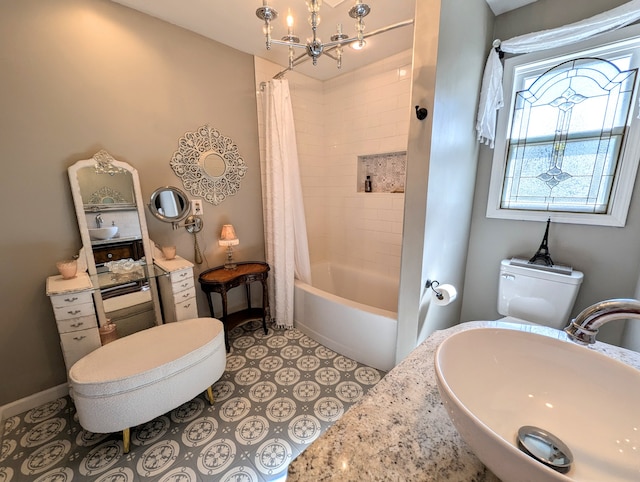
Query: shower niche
{"points": [[386, 171]]}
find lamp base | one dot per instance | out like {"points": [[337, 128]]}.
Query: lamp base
{"points": [[230, 263]]}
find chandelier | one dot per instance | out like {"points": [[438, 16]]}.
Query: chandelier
{"points": [[314, 47]]}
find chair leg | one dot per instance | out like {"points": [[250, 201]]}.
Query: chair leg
{"points": [[210, 395], [126, 439]]}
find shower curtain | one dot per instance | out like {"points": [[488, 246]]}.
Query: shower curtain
{"points": [[286, 244]]}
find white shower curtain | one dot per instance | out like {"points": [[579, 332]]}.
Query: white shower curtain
{"points": [[286, 245]]}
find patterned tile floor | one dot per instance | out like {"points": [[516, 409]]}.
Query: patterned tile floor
{"points": [[279, 392]]}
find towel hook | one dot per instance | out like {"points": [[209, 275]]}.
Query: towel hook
{"points": [[421, 113]]}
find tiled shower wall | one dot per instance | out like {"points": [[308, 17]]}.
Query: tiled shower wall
{"points": [[355, 114]]}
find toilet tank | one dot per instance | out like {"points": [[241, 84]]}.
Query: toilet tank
{"points": [[536, 295]]}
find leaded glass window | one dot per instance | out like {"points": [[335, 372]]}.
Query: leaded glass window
{"points": [[566, 134], [568, 137]]}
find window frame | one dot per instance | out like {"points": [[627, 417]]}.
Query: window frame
{"points": [[624, 182]]}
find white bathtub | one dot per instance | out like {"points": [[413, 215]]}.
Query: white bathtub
{"points": [[350, 311]]}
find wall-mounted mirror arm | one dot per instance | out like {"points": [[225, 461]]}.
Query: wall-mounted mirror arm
{"points": [[194, 225]]}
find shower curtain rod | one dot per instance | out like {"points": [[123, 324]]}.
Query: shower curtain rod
{"points": [[304, 57]]}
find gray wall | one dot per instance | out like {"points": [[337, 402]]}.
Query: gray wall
{"points": [[449, 52], [83, 75], [609, 257]]}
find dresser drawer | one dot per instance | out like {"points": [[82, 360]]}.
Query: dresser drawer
{"points": [[183, 284], [118, 250], [184, 295], [181, 275], [77, 344], [73, 311], [76, 297], [186, 310], [75, 324]]}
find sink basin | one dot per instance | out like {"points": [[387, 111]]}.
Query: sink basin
{"points": [[107, 232], [493, 381]]}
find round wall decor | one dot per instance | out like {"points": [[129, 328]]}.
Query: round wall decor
{"points": [[208, 164]]}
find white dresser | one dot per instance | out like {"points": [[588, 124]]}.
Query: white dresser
{"points": [[177, 289], [75, 315]]}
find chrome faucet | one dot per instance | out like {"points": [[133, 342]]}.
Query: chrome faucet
{"points": [[584, 327], [98, 220]]}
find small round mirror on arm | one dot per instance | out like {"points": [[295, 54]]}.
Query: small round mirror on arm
{"points": [[169, 204]]}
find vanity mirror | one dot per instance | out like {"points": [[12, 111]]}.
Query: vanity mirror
{"points": [[110, 211], [169, 204]]}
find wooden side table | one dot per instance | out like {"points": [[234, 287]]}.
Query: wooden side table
{"points": [[221, 280]]}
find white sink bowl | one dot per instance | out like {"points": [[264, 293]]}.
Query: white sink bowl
{"points": [[495, 380], [107, 232]]}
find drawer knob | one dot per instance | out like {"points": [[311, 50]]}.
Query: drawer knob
{"points": [[76, 325], [71, 300], [74, 312], [79, 338]]}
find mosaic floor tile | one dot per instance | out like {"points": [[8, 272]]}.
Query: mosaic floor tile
{"points": [[279, 393]]}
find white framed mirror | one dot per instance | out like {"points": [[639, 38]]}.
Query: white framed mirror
{"points": [[113, 229]]}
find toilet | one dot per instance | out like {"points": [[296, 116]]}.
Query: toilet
{"points": [[537, 294]]}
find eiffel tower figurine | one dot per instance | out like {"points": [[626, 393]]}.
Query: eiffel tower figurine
{"points": [[542, 256]]}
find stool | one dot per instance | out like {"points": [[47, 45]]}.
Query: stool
{"points": [[139, 377]]}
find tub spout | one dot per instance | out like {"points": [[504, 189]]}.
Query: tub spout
{"points": [[584, 327]]}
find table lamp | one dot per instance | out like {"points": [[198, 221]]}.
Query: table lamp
{"points": [[228, 238]]}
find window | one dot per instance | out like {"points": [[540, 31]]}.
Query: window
{"points": [[567, 142]]}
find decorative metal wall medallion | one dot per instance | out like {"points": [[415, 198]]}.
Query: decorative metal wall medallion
{"points": [[106, 195], [208, 164]]}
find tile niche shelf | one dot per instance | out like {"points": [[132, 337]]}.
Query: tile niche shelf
{"points": [[387, 171]]}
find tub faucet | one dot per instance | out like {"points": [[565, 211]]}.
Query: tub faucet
{"points": [[584, 327], [98, 220]]}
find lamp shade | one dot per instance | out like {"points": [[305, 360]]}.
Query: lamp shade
{"points": [[228, 236]]}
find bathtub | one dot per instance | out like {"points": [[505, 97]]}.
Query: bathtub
{"points": [[352, 312]]}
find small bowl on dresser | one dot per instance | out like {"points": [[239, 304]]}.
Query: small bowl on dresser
{"points": [[67, 268]]}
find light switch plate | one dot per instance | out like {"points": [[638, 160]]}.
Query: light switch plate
{"points": [[196, 207]]}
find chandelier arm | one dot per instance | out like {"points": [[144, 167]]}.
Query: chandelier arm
{"points": [[336, 43], [328, 53], [347, 41], [289, 44]]}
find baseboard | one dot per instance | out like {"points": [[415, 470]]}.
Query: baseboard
{"points": [[33, 401]]}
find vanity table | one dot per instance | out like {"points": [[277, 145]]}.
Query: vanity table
{"points": [[76, 303], [118, 281], [221, 280]]}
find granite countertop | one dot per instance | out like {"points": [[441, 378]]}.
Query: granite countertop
{"points": [[400, 430]]}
